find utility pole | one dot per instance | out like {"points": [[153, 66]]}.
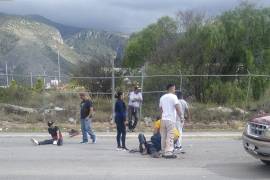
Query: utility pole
{"points": [[44, 78], [113, 86], [248, 89], [7, 74], [181, 80], [12, 72], [142, 81], [31, 76], [59, 72]]}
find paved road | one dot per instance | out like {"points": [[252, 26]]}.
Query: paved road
{"points": [[206, 158]]}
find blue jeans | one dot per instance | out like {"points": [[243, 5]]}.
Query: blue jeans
{"points": [[86, 129], [50, 141]]}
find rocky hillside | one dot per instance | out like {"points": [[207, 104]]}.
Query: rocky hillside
{"points": [[66, 31], [30, 44], [92, 44]]}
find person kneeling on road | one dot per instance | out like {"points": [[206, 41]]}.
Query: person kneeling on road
{"points": [[54, 131], [153, 146]]}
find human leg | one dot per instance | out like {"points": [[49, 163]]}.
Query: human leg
{"points": [[89, 129], [142, 141], [45, 142], [136, 117], [181, 134], [84, 131], [118, 136], [178, 127], [123, 138], [169, 138], [130, 111], [163, 135]]}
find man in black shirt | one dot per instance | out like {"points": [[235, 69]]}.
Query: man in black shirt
{"points": [[86, 118], [55, 133]]}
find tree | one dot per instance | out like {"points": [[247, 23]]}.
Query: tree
{"points": [[142, 45], [38, 86]]}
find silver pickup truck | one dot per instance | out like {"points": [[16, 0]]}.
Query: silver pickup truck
{"points": [[256, 138]]}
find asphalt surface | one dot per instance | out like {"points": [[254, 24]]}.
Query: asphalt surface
{"points": [[211, 158]]}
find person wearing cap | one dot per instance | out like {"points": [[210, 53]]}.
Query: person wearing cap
{"points": [[86, 114], [120, 120], [170, 108], [135, 100], [54, 131]]}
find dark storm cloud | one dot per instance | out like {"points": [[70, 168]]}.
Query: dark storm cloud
{"points": [[116, 15]]}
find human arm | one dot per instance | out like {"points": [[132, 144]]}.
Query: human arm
{"points": [[188, 115], [91, 112], [178, 110], [125, 113], [187, 112], [177, 106], [139, 98], [156, 130], [91, 109]]}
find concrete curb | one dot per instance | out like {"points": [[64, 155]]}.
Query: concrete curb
{"points": [[131, 135]]}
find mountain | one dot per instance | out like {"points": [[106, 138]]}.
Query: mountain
{"points": [[93, 44], [65, 30], [89, 43], [31, 44]]}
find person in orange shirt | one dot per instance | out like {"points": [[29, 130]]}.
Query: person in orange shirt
{"points": [[153, 146]]}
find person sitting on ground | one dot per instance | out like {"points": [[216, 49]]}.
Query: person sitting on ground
{"points": [[54, 131], [153, 146]]}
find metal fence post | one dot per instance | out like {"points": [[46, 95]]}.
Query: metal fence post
{"points": [[113, 87], [31, 79], [7, 75], [248, 89], [181, 80], [59, 71], [44, 78], [142, 81]]}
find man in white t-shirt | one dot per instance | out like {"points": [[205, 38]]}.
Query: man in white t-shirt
{"points": [[170, 108], [134, 103], [180, 120]]}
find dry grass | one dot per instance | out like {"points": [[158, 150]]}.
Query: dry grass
{"points": [[202, 118]]}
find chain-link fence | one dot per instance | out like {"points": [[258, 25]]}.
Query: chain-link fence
{"points": [[210, 100]]}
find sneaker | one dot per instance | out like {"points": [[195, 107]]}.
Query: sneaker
{"points": [[125, 149], [155, 155], [94, 141], [144, 152], [34, 141], [84, 142], [118, 148], [172, 156], [178, 148]]}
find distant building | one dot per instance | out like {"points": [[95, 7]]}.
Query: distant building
{"points": [[52, 84]]}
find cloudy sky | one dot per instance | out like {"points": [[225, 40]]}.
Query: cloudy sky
{"points": [[114, 15]]}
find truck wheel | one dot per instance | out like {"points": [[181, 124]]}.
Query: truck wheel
{"points": [[266, 162]]}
